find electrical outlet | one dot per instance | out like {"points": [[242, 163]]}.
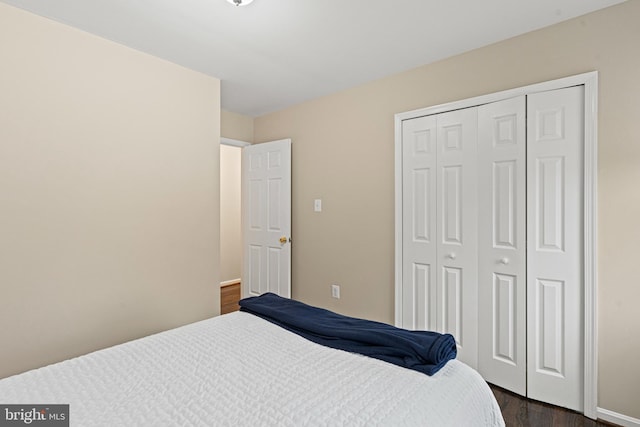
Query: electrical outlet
{"points": [[335, 291]]}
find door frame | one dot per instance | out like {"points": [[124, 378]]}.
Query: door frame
{"points": [[590, 182], [233, 142]]}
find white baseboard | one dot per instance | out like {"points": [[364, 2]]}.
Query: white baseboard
{"points": [[614, 417], [229, 282]]}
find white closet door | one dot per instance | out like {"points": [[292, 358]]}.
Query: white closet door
{"points": [[419, 223], [457, 218], [555, 247], [502, 243], [439, 290]]}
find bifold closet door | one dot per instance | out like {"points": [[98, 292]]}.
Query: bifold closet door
{"points": [[439, 286], [555, 343], [458, 230], [492, 239], [502, 243], [419, 259]]}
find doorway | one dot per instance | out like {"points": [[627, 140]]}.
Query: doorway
{"points": [[230, 223], [255, 217]]}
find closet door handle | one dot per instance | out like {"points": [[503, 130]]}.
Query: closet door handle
{"points": [[504, 261], [452, 255]]}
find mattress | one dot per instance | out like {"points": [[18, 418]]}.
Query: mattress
{"points": [[240, 370]]}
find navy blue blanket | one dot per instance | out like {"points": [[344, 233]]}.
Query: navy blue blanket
{"points": [[423, 351]]}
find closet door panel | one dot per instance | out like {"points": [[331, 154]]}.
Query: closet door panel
{"points": [[419, 138], [555, 284], [457, 254], [501, 243]]}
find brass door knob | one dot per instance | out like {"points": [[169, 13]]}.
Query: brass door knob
{"points": [[283, 240]]}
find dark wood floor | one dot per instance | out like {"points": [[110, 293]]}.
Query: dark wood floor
{"points": [[519, 411]]}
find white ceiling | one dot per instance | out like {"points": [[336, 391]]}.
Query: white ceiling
{"points": [[275, 53]]}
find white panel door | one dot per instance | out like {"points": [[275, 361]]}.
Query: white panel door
{"points": [[502, 243], [266, 218], [419, 138], [555, 246], [457, 223]]}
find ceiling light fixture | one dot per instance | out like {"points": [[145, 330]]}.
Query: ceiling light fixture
{"points": [[240, 2]]}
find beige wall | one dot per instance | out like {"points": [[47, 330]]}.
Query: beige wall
{"points": [[230, 213], [236, 126], [109, 193], [343, 153]]}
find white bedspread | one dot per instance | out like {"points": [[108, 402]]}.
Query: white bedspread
{"points": [[239, 370]]}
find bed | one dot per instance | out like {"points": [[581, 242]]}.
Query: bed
{"points": [[241, 370]]}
